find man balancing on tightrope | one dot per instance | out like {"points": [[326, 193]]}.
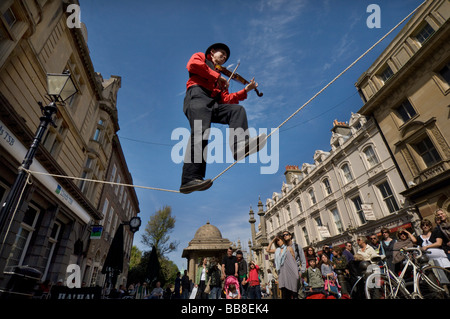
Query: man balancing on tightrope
{"points": [[208, 101]]}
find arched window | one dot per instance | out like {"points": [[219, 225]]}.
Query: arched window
{"points": [[371, 157], [327, 186], [348, 177], [312, 196]]}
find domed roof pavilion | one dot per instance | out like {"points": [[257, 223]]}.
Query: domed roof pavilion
{"points": [[207, 242]]}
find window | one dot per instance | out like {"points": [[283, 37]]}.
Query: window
{"points": [[104, 210], [386, 74], [424, 33], [11, 21], [9, 17], [445, 73], [337, 220], [89, 171], [121, 193], [348, 177], [388, 197], [359, 211], [23, 237], [116, 190], [406, 111], [370, 156], [327, 186], [50, 248], [109, 223], [98, 132], [113, 173], [318, 221], [305, 234], [312, 196], [428, 152], [288, 210], [83, 182], [125, 194], [54, 137], [299, 205]]}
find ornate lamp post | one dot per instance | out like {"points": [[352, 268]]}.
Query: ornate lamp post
{"points": [[60, 87]]}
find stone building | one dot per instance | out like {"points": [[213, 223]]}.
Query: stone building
{"points": [[53, 222], [118, 205], [406, 91], [352, 190]]}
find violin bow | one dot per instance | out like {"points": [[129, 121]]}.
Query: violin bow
{"points": [[234, 71]]}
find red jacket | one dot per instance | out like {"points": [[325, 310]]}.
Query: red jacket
{"points": [[253, 279], [201, 74]]}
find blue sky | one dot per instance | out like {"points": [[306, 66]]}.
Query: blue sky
{"points": [[292, 47]]}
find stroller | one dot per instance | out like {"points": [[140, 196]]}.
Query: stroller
{"points": [[231, 280]]}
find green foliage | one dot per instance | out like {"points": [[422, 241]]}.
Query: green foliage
{"points": [[156, 234]]}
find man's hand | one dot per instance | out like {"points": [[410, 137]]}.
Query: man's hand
{"points": [[251, 86], [222, 83]]}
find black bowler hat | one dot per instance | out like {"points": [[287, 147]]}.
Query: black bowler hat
{"points": [[219, 46]]}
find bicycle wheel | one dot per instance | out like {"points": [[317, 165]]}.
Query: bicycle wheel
{"points": [[357, 291], [378, 286], [434, 282]]}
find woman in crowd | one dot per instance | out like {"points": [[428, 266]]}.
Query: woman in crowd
{"points": [[215, 273], [387, 247], [405, 240], [431, 242], [201, 279], [286, 266], [443, 223], [311, 253]]}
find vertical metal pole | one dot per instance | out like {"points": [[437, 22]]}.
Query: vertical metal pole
{"points": [[7, 211]]}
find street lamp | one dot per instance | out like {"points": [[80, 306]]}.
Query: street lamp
{"points": [[60, 87]]}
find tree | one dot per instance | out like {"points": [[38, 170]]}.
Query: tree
{"points": [[135, 257], [157, 231], [156, 235]]}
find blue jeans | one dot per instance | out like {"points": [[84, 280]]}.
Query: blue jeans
{"points": [[215, 292], [254, 292], [185, 294], [243, 289]]}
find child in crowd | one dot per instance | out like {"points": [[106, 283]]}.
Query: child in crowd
{"points": [[254, 288], [232, 292], [313, 277]]}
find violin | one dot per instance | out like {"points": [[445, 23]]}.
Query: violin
{"points": [[236, 77]]}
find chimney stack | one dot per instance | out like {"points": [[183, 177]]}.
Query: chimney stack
{"points": [[291, 170]]}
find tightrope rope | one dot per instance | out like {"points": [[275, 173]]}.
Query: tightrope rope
{"points": [[99, 181], [267, 137]]}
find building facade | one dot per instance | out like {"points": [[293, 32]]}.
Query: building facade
{"points": [[352, 190], [407, 92], [52, 225], [118, 205]]}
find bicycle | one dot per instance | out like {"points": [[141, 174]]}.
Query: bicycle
{"points": [[429, 281]]}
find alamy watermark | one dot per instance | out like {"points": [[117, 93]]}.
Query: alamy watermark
{"points": [[374, 19], [376, 280], [217, 152], [73, 272], [74, 19]]}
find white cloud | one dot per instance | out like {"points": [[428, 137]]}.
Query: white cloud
{"points": [[269, 45]]}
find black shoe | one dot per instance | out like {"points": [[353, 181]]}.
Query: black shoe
{"points": [[195, 185], [253, 145]]}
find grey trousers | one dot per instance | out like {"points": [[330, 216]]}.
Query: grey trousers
{"points": [[201, 110]]}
